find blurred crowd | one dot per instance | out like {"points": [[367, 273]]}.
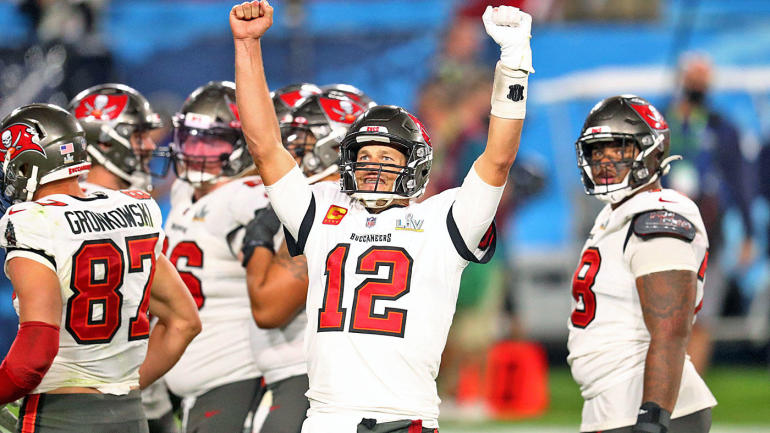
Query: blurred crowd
{"points": [[66, 54]]}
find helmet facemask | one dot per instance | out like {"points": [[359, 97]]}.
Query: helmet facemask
{"points": [[126, 155], [204, 156], [112, 114], [410, 181], [632, 139], [623, 170], [298, 139], [385, 125], [208, 142]]}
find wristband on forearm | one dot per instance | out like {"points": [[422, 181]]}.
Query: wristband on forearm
{"points": [[509, 93], [652, 419]]}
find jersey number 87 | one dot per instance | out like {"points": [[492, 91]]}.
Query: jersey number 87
{"points": [[98, 272]]}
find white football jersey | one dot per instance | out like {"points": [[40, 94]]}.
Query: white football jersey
{"points": [[608, 339], [381, 296], [103, 249], [204, 240]]}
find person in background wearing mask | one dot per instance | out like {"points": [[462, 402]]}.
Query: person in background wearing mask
{"points": [[715, 175]]}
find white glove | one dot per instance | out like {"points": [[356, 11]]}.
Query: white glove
{"points": [[510, 28]]}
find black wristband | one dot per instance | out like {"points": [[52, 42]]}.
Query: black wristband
{"points": [[652, 419], [249, 247], [260, 232]]}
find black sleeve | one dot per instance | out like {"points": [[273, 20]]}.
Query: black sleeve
{"points": [[488, 241], [296, 247]]}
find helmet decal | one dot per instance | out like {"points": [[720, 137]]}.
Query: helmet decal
{"points": [[291, 98], [601, 129], [234, 109], [423, 131], [650, 115], [18, 138], [341, 110], [101, 107]]}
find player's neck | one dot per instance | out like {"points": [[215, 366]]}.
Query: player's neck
{"points": [[98, 175], [654, 185], [67, 186], [402, 202], [207, 188]]}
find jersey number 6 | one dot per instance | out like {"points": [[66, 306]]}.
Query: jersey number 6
{"points": [[392, 322]]}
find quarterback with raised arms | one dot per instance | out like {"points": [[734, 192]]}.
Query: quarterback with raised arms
{"points": [[383, 271]]}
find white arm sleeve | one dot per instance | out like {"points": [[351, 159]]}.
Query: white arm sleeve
{"points": [[290, 198], [475, 207], [660, 254]]}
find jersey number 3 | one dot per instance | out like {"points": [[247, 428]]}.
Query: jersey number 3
{"points": [[582, 283], [98, 271], [392, 322]]}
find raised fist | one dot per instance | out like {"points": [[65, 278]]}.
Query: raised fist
{"points": [[510, 28], [250, 20]]}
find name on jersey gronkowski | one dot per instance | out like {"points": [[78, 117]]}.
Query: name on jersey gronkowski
{"points": [[130, 215], [370, 237]]}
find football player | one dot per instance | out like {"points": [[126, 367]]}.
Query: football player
{"points": [[639, 282], [211, 202], [383, 271], [118, 121], [91, 265], [288, 97], [278, 294]]}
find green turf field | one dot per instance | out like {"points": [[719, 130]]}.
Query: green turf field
{"points": [[743, 394]]}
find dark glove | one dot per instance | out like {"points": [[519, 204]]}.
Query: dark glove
{"points": [[652, 419], [260, 232]]}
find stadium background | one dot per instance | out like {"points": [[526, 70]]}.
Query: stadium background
{"points": [[394, 50]]}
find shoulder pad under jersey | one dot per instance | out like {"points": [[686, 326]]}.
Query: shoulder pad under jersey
{"points": [[656, 223]]}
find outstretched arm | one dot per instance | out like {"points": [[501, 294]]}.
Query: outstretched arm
{"points": [[248, 22], [477, 200], [510, 28]]}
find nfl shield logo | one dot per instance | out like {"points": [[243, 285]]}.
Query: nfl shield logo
{"points": [[370, 222]]}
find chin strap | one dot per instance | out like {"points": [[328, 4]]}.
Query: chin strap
{"points": [[665, 165], [376, 202], [133, 181]]}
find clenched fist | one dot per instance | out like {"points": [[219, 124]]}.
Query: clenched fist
{"points": [[510, 28], [250, 20]]}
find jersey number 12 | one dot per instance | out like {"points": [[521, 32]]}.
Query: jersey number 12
{"points": [[392, 322]]}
